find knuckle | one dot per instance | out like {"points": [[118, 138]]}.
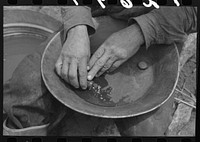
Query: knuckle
{"points": [[75, 58], [114, 50], [97, 55], [99, 52], [124, 55], [64, 76], [100, 63], [107, 65], [105, 68], [121, 53], [109, 50]]}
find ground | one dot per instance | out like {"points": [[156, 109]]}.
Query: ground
{"points": [[183, 123]]}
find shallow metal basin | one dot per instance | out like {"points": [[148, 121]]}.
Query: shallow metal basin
{"points": [[24, 31], [133, 91]]}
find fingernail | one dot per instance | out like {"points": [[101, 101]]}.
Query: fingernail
{"points": [[88, 67], [89, 77]]}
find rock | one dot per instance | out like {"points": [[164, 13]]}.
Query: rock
{"points": [[189, 129], [180, 119], [189, 49]]}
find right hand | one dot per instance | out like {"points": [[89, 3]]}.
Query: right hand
{"points": [[72, 62], [115, 50]]}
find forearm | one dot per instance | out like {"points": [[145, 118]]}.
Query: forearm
{"points": [[167, 24], [77, 33], [78, 28], [77, 15]]}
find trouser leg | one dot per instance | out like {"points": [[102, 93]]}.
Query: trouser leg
{"points": [[26, 100], [154, 123]]}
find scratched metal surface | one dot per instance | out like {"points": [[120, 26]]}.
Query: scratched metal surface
{"points": [[24, 31], [126, 92]]}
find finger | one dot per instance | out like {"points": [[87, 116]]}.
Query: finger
{"points": [[97, 66], [98, 54], [73, 79], [115, 65], [58, 66], [64, 70], [107, 66], [83, 73]]}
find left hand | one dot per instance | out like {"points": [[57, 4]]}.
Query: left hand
{"points": [[71, 65], [117, 49]]}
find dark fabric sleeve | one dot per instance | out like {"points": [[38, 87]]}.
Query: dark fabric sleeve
{"points": [[77, 15], [167, 24], [124, 13]]}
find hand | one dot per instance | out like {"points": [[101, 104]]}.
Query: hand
{"points": [[118, 48], [72, 62]]}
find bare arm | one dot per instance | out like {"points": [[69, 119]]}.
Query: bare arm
{"points": [[71, 65]]}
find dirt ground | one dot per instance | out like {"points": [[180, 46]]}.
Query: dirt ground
{"points": [[184, 119]]}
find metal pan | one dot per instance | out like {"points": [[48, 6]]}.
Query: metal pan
{"points": [[130, 90], [23, 32]]}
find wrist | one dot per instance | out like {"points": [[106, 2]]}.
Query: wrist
{"points": [[79, 29], [140, 40], [76, 37]]}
